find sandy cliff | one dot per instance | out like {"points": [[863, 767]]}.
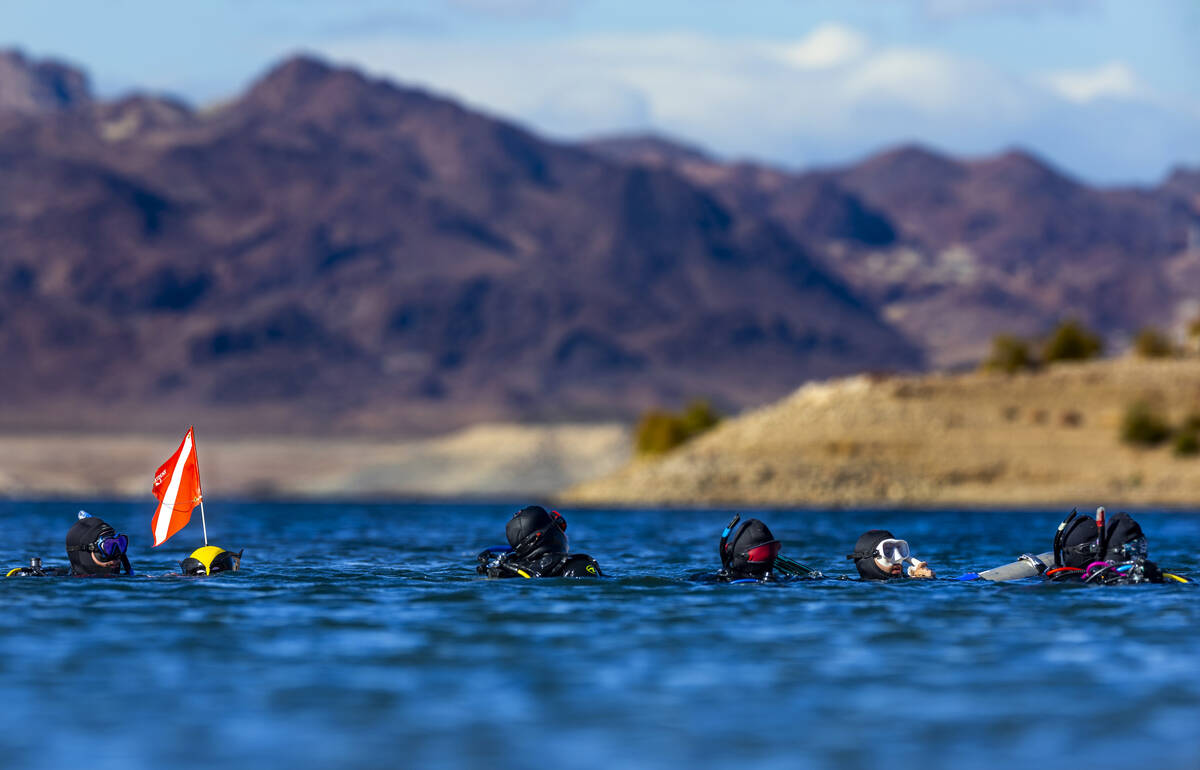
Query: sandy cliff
{"points": [[970, 439]]}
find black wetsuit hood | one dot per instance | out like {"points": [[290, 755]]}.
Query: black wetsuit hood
{"points": [[533, 532], [82, 534], [1118, 531], [1079, 543], [864, 555], [752, 534]]}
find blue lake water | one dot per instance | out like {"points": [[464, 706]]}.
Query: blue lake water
{"points": [[360, 636]]}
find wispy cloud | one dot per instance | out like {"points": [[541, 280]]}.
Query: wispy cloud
{"points": [[1112, 80], [832, 94], [829, 45]]}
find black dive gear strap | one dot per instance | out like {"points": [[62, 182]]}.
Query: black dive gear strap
{"points": [[501, 561]]}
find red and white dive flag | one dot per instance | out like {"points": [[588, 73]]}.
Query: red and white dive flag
{"points": [[177, 487]]}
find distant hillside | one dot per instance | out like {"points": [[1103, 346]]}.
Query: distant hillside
{"points": [[971, 439], [328, 252], [331, 253], [954, 251]]}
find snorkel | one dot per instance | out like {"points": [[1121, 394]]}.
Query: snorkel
{"points": [[1101, 536], [725, 539]]}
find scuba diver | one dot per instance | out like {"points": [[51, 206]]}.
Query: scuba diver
{"points": [[752, 556], [878, 555], [1107, 552], [537, 547], [94, 549], [209, 560]]}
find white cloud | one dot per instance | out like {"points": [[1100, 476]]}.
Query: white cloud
{"points": [[832, 97], [829, 45], [1114, 79]]}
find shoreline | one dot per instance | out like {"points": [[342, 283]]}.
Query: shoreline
{"points": [[1035, 439], [489, 461]]}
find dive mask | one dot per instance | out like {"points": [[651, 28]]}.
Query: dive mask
{"points": [[892, 551], [109, 546], [1133, 550], [763, 553]]}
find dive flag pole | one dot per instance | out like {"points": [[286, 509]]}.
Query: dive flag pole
{"points": [[199, 491]]}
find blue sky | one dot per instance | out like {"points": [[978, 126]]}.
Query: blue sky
{"points": [[1108, 90]]}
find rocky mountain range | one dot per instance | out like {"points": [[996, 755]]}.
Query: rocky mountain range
{"points": [[954, 251], [332, 253]]}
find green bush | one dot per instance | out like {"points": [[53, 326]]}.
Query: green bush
{"points": [[1009, 354], [1151, 343], [1191, 423], [659, 431], [698, 417], [1143, 426], [1186, 443], [1072, 341]]}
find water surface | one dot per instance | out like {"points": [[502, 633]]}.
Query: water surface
{"points": [[359, 636]]}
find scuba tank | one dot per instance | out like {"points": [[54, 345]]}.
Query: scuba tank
{"points": [[34, 569]]}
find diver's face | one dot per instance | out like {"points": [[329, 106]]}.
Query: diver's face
{"points": [[110, 563], [888, 567]]}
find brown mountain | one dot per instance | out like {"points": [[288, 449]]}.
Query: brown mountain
{"points": [[955, 251], [329, 252], [33, 87]]}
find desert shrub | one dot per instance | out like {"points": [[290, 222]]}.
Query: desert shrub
{"points": [[1151, 343], [659, 431], [1072, 341], [698, 417], [1186, 443], [1143, 426], [1187, 439], [1009, 354]]}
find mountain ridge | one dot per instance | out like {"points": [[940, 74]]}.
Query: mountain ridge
{"points": [[330, 252]]}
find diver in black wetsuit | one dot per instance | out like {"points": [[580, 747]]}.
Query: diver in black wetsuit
{"points": [[878, 555], [537, 547], [752, 556], [94, 549], [1108, 552]]}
